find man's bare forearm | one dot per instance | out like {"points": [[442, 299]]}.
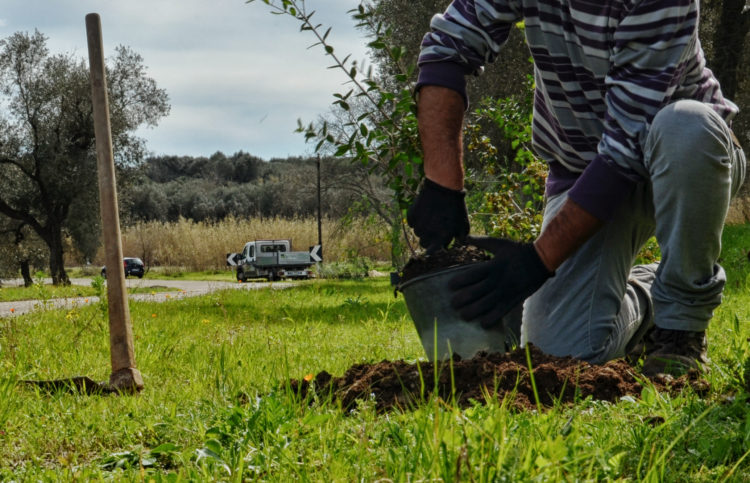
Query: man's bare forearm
{"points": [[565, 233], [440, 116]]}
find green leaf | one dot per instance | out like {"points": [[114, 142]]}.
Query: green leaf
{"points": [[165, 448], [313, 419], [397, 53]]}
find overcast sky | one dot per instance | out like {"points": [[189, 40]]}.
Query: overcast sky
{"points": [[238, 77]]}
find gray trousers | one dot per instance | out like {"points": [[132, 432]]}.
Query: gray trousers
{"points": [[597, 301]]}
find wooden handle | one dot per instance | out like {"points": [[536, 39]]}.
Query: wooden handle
{"points": [[124, 375]]}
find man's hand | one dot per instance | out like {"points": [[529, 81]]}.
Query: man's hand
{"points": [[438, 215], [489, 290]]}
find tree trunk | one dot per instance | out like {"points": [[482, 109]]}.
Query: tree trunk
{"points": [[729, 40], [26, 274], [56, 261]]}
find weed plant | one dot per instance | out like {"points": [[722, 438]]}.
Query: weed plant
{"points": [[216, 407], [358, 268]]}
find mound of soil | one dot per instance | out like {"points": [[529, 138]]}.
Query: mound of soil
{"points": [[498, 376]]}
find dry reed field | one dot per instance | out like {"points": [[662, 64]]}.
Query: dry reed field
{"points": [[203, 245]]}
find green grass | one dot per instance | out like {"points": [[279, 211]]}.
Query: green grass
{"points": [[178, 273], [735, 257], [49, 291], [214, 406], [171, 273], [44, 291]]}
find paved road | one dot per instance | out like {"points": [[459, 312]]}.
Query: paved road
{"points": [[178, 289]]}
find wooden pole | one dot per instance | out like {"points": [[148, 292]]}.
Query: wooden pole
{"points": [[320, 217], [125, 377]]}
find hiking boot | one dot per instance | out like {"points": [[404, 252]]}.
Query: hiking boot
{"points": [[636, 348], [674, 352]]}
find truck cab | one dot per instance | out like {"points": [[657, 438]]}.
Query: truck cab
{"points": [[264, 249]]}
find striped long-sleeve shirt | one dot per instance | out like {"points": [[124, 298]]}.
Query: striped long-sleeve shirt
{"points": [[603, 69]]}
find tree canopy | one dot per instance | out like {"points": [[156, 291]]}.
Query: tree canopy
{"points": [[243, 186], [47, 146]]}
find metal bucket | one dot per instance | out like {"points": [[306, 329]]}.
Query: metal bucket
{"points": [[441, 329]]}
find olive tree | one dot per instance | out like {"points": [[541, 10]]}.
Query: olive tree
{"points": [[20, 249], [47, 146]]}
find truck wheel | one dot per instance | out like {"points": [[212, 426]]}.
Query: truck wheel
{"points": [[240, 275]]}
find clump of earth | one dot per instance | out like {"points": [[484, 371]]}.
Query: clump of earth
{"points": [[400, 384], [421, 264]]}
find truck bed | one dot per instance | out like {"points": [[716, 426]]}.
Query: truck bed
{"points": [[284, 259]]}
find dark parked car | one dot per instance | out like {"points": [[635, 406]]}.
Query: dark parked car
{"points": [[132, 266]]}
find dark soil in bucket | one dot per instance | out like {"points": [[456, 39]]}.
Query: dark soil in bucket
{"points": [[451, 257], [563, 380]]}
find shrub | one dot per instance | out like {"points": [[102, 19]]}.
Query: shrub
{"points": [[353, 269]]}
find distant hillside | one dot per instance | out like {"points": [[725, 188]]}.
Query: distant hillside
{"points": [[166, 188]]}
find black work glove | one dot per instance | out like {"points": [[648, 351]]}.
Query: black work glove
{"points": [[438, 215], [489, 290]]}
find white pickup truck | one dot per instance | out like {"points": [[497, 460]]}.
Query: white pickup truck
{"points": [[273, 260]]}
